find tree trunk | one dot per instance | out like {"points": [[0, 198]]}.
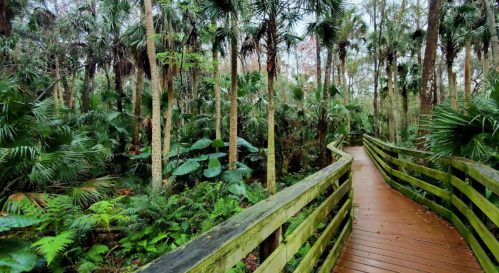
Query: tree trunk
{"points": [[494, 40], [428, 77], [318, 50], [452, 87], [118, 84], [156, 107], [271, 74], [169, 86], [233, 97], [6, 15], [216, 75], [55, 92], [71, 92], [391, 103], [485, 68], [138, 105], [346, 95], [396, 100], [467, 70], [377, 64], [322, 124], [85, 101], [169, 111], [405, 107]]}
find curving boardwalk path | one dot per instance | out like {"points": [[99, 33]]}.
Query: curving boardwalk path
{"points": [[392, 233]]}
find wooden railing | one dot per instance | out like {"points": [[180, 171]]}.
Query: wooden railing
{"points": [[222, 247], [354, 139], [458, 194]]}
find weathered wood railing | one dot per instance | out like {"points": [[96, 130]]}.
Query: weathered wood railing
{"points": [[222, 247], [462, 192]]}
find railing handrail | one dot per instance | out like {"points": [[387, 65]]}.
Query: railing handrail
{"points": [[484, 174], [220, 248], [465, 178]]}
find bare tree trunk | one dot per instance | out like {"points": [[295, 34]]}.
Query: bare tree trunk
{"points": [[117, 76], [138, 105], [405, 107], [391, 103], [271, 74], [485, 66], [169, 111], [377, 64], [467, 70], [318, 50], [156, 107], [346, 93], [396, 100], [56, 86], [494, 40], [89, 74], [233, 97], [452, 87], [322, 124], [71, 92], [169, 83], [428, 77], [216, 75]]}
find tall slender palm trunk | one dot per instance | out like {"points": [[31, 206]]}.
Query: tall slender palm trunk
{"points": [[467, 70], [138, 105], [233, 97], [391, 103], [156, 107], [452, 86], [396, 99], [322, 124], [271, 74], [216, 75], [117, 75], [346, 92], [494, 39], [485, 67], [169, 83]]}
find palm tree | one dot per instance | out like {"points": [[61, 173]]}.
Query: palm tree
{"points": [[393, 43], [156, 107], [327, 30], [168, 17], [494, 40], [275, 28], [352, 27], [451, 41], [466, 18], [216, 87], [135, 39], [230, 9]]}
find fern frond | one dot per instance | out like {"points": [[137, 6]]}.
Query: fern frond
{"points": [[50, 247]]}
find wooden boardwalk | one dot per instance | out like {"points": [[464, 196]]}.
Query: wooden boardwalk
{"points": [[392, 233]]}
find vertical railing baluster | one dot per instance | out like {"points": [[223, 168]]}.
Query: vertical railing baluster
{"points": [[480, 188]]}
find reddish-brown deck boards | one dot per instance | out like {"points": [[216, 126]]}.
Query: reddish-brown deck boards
{"points": [[392, 233]]}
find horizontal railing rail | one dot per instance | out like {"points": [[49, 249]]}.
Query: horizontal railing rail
{"points": [[463, 191], [222, 247]]}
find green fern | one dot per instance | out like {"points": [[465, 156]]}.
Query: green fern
{"points": [[50, 247], [95, 253]]}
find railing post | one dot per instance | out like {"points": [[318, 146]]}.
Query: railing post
{"points": [[457, 193], [391, 165], [270, 244], [480, 188], [342, 180]]}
